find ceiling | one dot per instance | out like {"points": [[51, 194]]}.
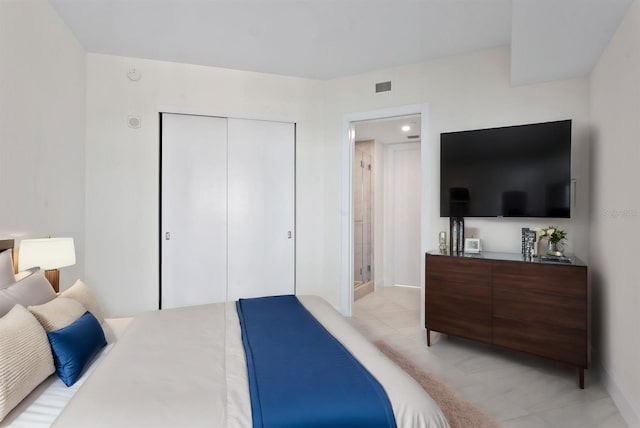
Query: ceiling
{"points": [[325, 39], [388, 130]]}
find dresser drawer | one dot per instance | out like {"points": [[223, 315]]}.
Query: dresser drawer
{"points": [[460, 309], [570, 281], [540, 308], [468, 327], [561, 344], [458, 269]]}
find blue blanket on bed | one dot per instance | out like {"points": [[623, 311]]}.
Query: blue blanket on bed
{"points": [[300, 375]]}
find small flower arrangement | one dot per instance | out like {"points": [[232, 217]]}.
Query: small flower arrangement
{"points": [[552, 233]]}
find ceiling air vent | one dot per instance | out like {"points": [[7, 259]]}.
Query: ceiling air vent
{"points": [[383, 86], [413, 137]]}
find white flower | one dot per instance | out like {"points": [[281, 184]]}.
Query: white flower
{"points": [[550, 232]]}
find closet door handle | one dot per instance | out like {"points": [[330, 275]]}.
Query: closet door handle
{"points": [[289, 235]]}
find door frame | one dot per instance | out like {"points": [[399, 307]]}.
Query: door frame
{"points": [[346, 202]]}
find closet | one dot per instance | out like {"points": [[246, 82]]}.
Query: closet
{"points": [[227, 209]]}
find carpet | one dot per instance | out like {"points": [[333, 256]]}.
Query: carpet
{"points": [[459, 412]]}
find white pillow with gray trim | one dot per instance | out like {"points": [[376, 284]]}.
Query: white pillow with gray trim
{"points": [[25, 357]]}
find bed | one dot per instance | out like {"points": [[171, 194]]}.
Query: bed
{"points": [[187, 367]]}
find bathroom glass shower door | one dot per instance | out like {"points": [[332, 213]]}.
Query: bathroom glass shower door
{"points": [[363, 211]]}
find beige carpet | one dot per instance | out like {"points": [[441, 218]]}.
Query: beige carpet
{"points": [[458, 411]]}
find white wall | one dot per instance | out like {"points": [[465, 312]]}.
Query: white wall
{"points": [[615, 222], [123, 172], [42, 118]]}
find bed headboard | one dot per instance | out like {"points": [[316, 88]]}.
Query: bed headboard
{"points": [[6, 244]]}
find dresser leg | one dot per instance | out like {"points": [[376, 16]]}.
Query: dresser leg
{"points": [[428, 337], [581, 377]]}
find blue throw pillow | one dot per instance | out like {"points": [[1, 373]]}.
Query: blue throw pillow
{"points": [[75, 345]]}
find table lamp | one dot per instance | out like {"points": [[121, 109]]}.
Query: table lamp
{"points": [[49, 254]]}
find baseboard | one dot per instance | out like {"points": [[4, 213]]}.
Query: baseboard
{"points": [[619, 397], [362, 290]]}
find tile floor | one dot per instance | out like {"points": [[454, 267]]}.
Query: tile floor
{"points": [[519, 390]]}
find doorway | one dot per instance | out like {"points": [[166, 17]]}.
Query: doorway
{"points": [[386, 203]]}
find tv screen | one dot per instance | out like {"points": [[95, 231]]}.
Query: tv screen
{"points": [[514, 171]]}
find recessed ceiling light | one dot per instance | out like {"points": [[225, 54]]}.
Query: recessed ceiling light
{"points": [[406, 128]]}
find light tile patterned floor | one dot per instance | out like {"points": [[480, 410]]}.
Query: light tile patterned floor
{"points": [[519, 390]]}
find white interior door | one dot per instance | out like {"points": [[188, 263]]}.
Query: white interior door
{"points": [[402, 214], [261, 201], [194, 210]]}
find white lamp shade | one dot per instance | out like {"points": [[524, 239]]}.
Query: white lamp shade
{"points": [[47, 254]]}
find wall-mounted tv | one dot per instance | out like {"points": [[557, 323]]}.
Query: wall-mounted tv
{"points": [[514, 171]]}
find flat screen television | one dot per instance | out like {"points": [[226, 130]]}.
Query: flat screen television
{"points": [[514, 171]]}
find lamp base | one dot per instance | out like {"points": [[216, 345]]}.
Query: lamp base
{"points": [[53, 275]]}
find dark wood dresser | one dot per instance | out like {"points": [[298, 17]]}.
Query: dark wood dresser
{"points": [[499, 298]]}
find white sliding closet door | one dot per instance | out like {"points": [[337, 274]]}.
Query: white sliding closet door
{"points": [[261, 208], [194, 210], [227, 209]]}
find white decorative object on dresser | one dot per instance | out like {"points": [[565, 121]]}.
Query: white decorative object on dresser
{"points": [[472, 245]]}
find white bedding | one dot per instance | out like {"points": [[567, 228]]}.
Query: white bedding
{"points": [[186, 367]]}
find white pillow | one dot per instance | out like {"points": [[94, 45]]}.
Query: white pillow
{"points": [[32, 290], [58, 313], [25, 357], [7, 276], [25, 273], [80, 292]]}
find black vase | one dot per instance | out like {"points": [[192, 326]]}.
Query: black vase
{"points": [[456, 235]]}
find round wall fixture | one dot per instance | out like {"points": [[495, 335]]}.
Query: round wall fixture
{"points": [[134, 74], [134, 122]]}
